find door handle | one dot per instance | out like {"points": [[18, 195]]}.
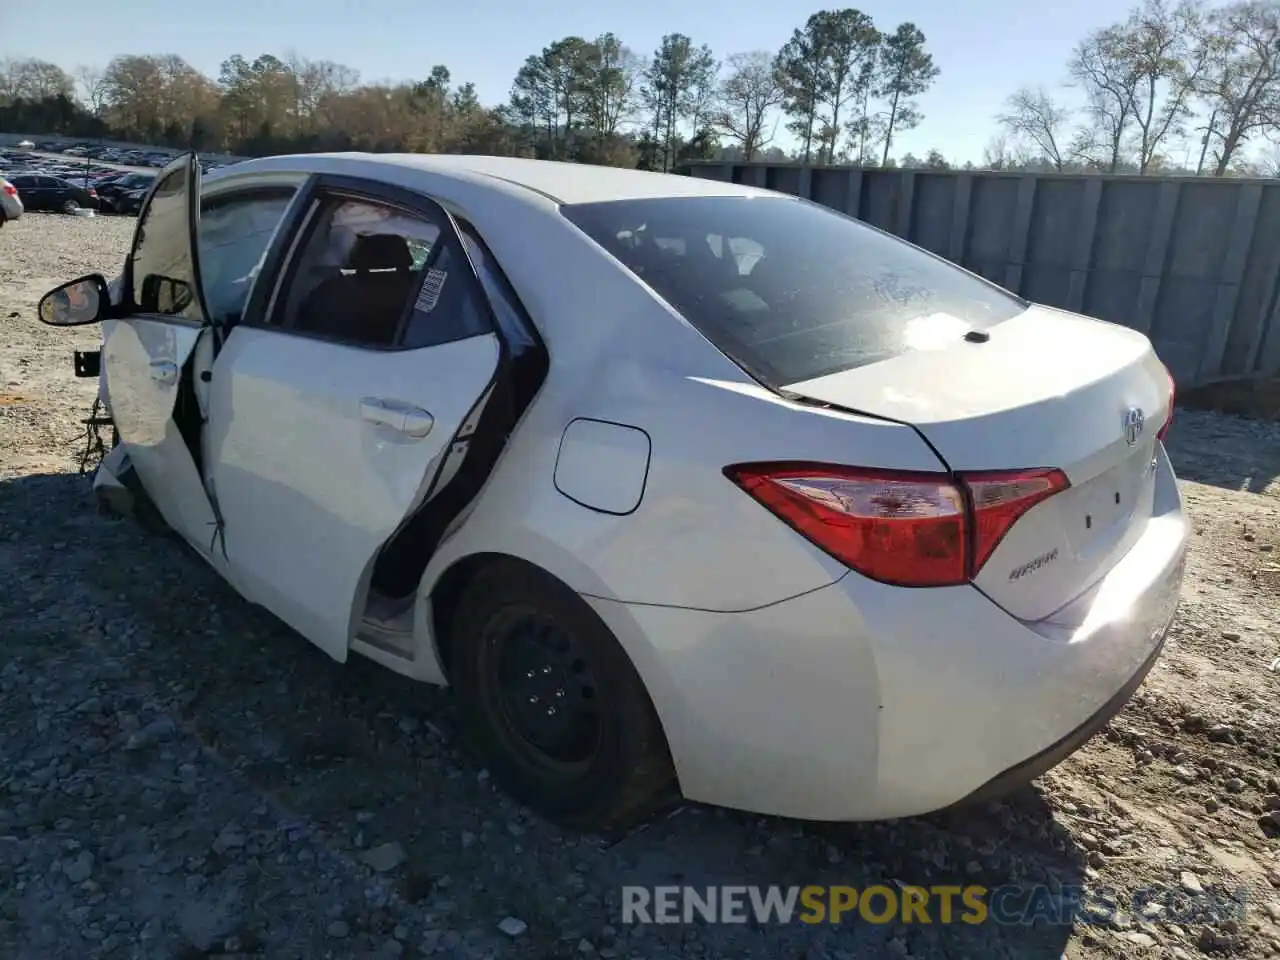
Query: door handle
{"points": [[417, 423], [164, 371], [397, 415]]}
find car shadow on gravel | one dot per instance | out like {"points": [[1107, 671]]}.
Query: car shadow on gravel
{"points": [[1224, 450], [368, 759]]}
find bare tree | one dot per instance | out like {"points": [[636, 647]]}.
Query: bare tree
{"points": [[1270, 162], [1167, 54], [1102, 67], [1241, 82], [92, 87], [32, 79], [996, 153], [1033, 116], [751, 89]]}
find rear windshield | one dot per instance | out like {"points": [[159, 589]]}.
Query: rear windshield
{"points": [[791, 290]]}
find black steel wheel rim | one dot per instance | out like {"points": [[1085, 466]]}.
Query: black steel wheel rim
{"points": [[546, 692]]}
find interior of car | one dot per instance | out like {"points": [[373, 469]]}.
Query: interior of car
{"points": [[364, 300]]}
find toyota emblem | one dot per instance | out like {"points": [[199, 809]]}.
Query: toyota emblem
{"points": [[1134, 421]]}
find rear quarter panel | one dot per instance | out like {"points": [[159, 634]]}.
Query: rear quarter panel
{"points": [[620, 355]]}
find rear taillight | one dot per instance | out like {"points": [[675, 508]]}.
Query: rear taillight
{"points": [[1168, 420], [999, 499], [907, 529], [10, 190], [93, 192]]}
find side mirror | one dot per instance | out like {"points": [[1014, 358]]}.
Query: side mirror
{"points": [[165, 295], [76, 303]]}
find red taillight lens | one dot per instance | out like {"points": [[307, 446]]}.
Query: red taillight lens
{"points": [[10, 190], [93, 192], [907, 529], [1168, 421], [999, 499]]}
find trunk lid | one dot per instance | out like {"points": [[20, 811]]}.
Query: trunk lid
{"points": [[1049, 389]]}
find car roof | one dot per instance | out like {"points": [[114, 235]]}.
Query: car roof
{"points": [[558, 181]]}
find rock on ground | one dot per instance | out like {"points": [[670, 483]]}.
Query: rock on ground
{"points": [[180, 775]]}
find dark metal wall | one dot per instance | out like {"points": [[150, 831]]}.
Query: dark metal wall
{"points": [[1192, 262]]}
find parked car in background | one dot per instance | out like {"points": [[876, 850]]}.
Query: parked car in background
{"points": [[81, 177], [41, 191], [675, 481], [10, 202], [110, 189], [129, 202]]}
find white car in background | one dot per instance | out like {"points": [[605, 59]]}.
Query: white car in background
{"points": [[678, 483], [10, 202]]}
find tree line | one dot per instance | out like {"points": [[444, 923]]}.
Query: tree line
{"points": [[1175, 86], [840, 85]]}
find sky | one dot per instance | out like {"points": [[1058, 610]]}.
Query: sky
{"points": [[984, 48]]}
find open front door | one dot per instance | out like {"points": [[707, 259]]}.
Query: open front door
{"points": [[146, 354]]}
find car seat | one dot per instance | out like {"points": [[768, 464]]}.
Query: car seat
{"points": [[364, 305]]}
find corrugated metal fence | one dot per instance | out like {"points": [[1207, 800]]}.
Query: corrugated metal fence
{"points": [[1194, 263]]}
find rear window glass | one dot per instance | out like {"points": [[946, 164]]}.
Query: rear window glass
{"points": [[791, 290]]}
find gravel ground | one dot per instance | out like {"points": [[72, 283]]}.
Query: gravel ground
{"points": [[182, 776]]}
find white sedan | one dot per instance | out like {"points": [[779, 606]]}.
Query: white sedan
{"points": [[682, 485], [10, 202]]}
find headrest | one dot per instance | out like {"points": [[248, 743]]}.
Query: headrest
{"points": [[380, 251]]}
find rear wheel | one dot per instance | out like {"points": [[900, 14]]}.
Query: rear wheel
{"points": [[553, 704], [71, 206]]}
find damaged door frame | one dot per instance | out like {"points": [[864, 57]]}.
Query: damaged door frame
{"points": [[153, 334], [383, 627], [460, 474], [89, 363]]}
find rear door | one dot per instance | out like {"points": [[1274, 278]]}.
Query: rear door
{"points": [[146, 356], [337, 398], [60, 191]]}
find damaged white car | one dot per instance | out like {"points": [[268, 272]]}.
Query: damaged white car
{"points": [[684, 486]]}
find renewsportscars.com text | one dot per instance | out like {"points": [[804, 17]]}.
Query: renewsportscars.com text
{"points": [[937, 904]]}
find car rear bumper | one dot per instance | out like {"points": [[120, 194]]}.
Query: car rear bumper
{"points": [[860, 701], [1022, 773]]}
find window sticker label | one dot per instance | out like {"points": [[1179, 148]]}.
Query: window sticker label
{"points": [[430, 293]]}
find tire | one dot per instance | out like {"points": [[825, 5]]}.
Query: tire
{"points": [[611, 778], [70, 207]]}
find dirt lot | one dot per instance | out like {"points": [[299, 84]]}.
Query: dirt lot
{"points": [[183, 776]]}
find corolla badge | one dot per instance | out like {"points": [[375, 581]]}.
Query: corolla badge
{"points": [[1134, 421]]}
